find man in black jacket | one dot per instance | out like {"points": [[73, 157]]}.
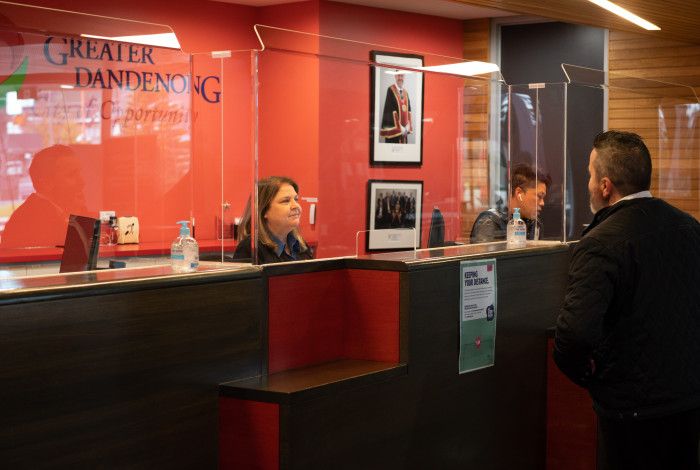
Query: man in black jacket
{"points": [[629, 330]]}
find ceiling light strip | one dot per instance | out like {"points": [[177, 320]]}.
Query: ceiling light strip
{"points": [[626, 14]]}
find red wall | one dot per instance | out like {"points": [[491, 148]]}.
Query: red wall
{"points": [[320, 133], [289, 108], [345, 121], [200, 26], [314, 113]]}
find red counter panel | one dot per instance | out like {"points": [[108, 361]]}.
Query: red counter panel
{"points": [[324, 316], [248, 434]]}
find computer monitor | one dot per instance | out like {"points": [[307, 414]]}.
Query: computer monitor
{"points": [[81, 245], [436, 235]]}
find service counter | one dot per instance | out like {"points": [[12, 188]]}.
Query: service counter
{"points": [[405, 406], [120, 368], [338, 363], [20, 262]]}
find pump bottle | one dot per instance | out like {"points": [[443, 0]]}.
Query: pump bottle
{"points": [[184, 252], [516, 232]]}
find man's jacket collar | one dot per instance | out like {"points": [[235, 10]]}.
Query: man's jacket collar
{"points": [[606, 212]]}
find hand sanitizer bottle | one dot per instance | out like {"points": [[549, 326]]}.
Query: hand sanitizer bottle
{"points": [[184, 252], [516, 232]]}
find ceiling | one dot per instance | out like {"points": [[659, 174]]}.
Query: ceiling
{"points": [[678, 19], [443, 8]]}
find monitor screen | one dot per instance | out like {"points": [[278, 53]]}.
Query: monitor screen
{"points": [[81, 245], [436, 235]]}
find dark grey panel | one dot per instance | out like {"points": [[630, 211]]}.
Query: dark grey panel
{"points": [[128, 379]]}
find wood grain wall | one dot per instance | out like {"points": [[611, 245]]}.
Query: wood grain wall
{"points": [[475, 156], [667, 117]]}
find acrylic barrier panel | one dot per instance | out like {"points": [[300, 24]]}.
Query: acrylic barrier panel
{"points": [[298, 42], [537, 164], [375, 145], [667, 117], [585, 117], [55, 22], [485, 157], [664, 114], [222, 148], [95, 128], [677, 173]]}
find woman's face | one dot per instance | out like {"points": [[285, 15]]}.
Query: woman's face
{"points": [[284, 212]]}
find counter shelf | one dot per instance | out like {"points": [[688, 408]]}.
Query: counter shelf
{"points": [[312, 382], [30, 288]]}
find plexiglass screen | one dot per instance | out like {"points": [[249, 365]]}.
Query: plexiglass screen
{"points": [[91, 126], [388, 149]]}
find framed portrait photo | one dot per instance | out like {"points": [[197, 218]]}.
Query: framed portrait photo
{"points": [[396, 109], [394, 210]]}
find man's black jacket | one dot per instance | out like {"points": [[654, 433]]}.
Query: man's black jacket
{"points": [[629, 330]]}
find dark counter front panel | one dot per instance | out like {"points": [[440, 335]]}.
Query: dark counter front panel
{"points": [[127, 379], [422, 414], [495, 417]]}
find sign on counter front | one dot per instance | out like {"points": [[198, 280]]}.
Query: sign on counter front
{"points": [[477, 314]]}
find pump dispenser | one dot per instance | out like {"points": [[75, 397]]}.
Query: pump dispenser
{"points": [[184, 252], [516, 232]]}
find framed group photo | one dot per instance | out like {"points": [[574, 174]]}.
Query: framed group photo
{"points": [[394, 210], [396, 113]]}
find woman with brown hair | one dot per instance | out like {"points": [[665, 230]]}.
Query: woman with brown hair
{"points": [[277, 224]]}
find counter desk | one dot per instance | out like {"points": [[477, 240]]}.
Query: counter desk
{"points": [[17, 262], [120, 368], [339, 363], [363, 372]]}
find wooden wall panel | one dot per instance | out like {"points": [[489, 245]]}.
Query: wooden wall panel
{"points": [[663, 116], [633, 105], [475, 158]]}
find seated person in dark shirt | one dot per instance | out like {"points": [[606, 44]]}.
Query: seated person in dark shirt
{"points": [[277, 224], [528, 191]]}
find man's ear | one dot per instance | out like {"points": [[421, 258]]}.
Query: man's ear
{"points": [[607, 186]]}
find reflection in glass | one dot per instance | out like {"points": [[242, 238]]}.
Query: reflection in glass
{"points": [[59, 191], [89, 126]]}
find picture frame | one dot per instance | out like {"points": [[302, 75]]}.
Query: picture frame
{"points": [[394, 209], [396, 109]]}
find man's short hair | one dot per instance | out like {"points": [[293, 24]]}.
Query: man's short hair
{"points": [[624, 158], [523, 176]]}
